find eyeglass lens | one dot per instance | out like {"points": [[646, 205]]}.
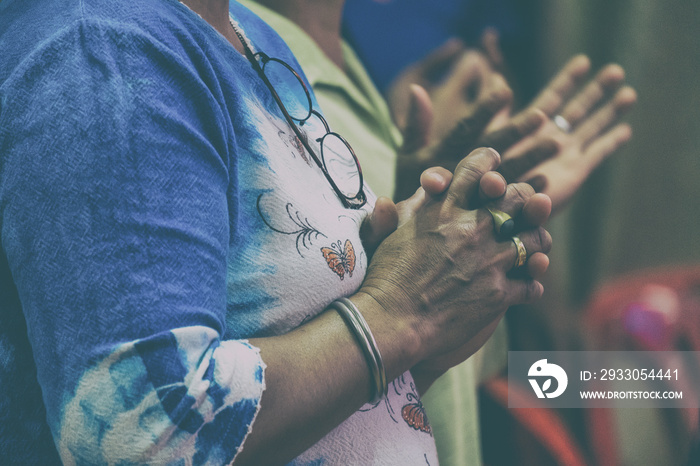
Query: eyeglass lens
{"points": [[335, 154], [290, 90]]}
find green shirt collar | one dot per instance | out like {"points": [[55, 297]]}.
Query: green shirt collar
{"points": [[321, 71]]}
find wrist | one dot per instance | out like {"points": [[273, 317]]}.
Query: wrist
{"points": [[398, 342], [368, 344]]}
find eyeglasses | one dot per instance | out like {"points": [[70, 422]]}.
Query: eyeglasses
{"points": [[331, 152]]}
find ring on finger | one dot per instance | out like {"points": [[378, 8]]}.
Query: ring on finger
{"points": [[562, 123], [503, 224], [521, 256]]}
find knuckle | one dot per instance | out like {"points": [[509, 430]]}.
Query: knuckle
{"points": [[498, 291], [532, 291], [535, 240], [499, 297], [520, 192], [484, 227], [470, 231], [477, 164], [470, 171]]}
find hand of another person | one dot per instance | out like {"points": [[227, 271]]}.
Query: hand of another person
{"points": [[443, 275], [465, 106], [420, 152], [460, 83], [559, 157], [425, 73]]}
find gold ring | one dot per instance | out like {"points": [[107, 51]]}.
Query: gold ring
{"points": [[521, 258], [502, 223]]}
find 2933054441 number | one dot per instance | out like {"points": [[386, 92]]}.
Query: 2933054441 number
{"points": [[639, 374]]}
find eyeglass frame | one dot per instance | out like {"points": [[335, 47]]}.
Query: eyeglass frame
{"points": [[358, 200]]}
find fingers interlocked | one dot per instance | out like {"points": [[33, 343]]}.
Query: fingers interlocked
{"points": [[520, 208], [525, 238]]}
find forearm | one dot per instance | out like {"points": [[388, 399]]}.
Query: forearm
{"points": [[316, 377], [184, 393]]}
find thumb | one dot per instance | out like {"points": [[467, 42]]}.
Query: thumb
{"points": [[379, 224], [419, 119], [427, 72], [468, 174]]}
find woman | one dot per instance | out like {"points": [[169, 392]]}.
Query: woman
{"points": [[176, 240]]}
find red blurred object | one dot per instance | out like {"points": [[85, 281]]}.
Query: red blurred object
{"points": [[655, 309], [651, 310], [536, 436]]}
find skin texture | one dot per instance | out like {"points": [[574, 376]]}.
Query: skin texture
{"points": [[460, 82]]}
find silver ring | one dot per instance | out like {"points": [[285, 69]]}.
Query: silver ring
{"points": [[562, 123]]}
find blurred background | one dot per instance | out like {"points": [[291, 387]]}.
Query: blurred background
{"points": [[633, 228], [624, 271]]}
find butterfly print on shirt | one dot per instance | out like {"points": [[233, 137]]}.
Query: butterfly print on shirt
{"points": [[340, 260], [414, 414]]}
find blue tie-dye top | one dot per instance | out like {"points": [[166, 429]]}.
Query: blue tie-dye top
{"points": [[155, 211]]}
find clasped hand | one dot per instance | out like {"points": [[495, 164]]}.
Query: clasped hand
{"points": [[443, 275]]}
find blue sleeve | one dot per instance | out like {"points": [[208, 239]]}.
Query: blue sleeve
{"points": [[114, 208]]}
